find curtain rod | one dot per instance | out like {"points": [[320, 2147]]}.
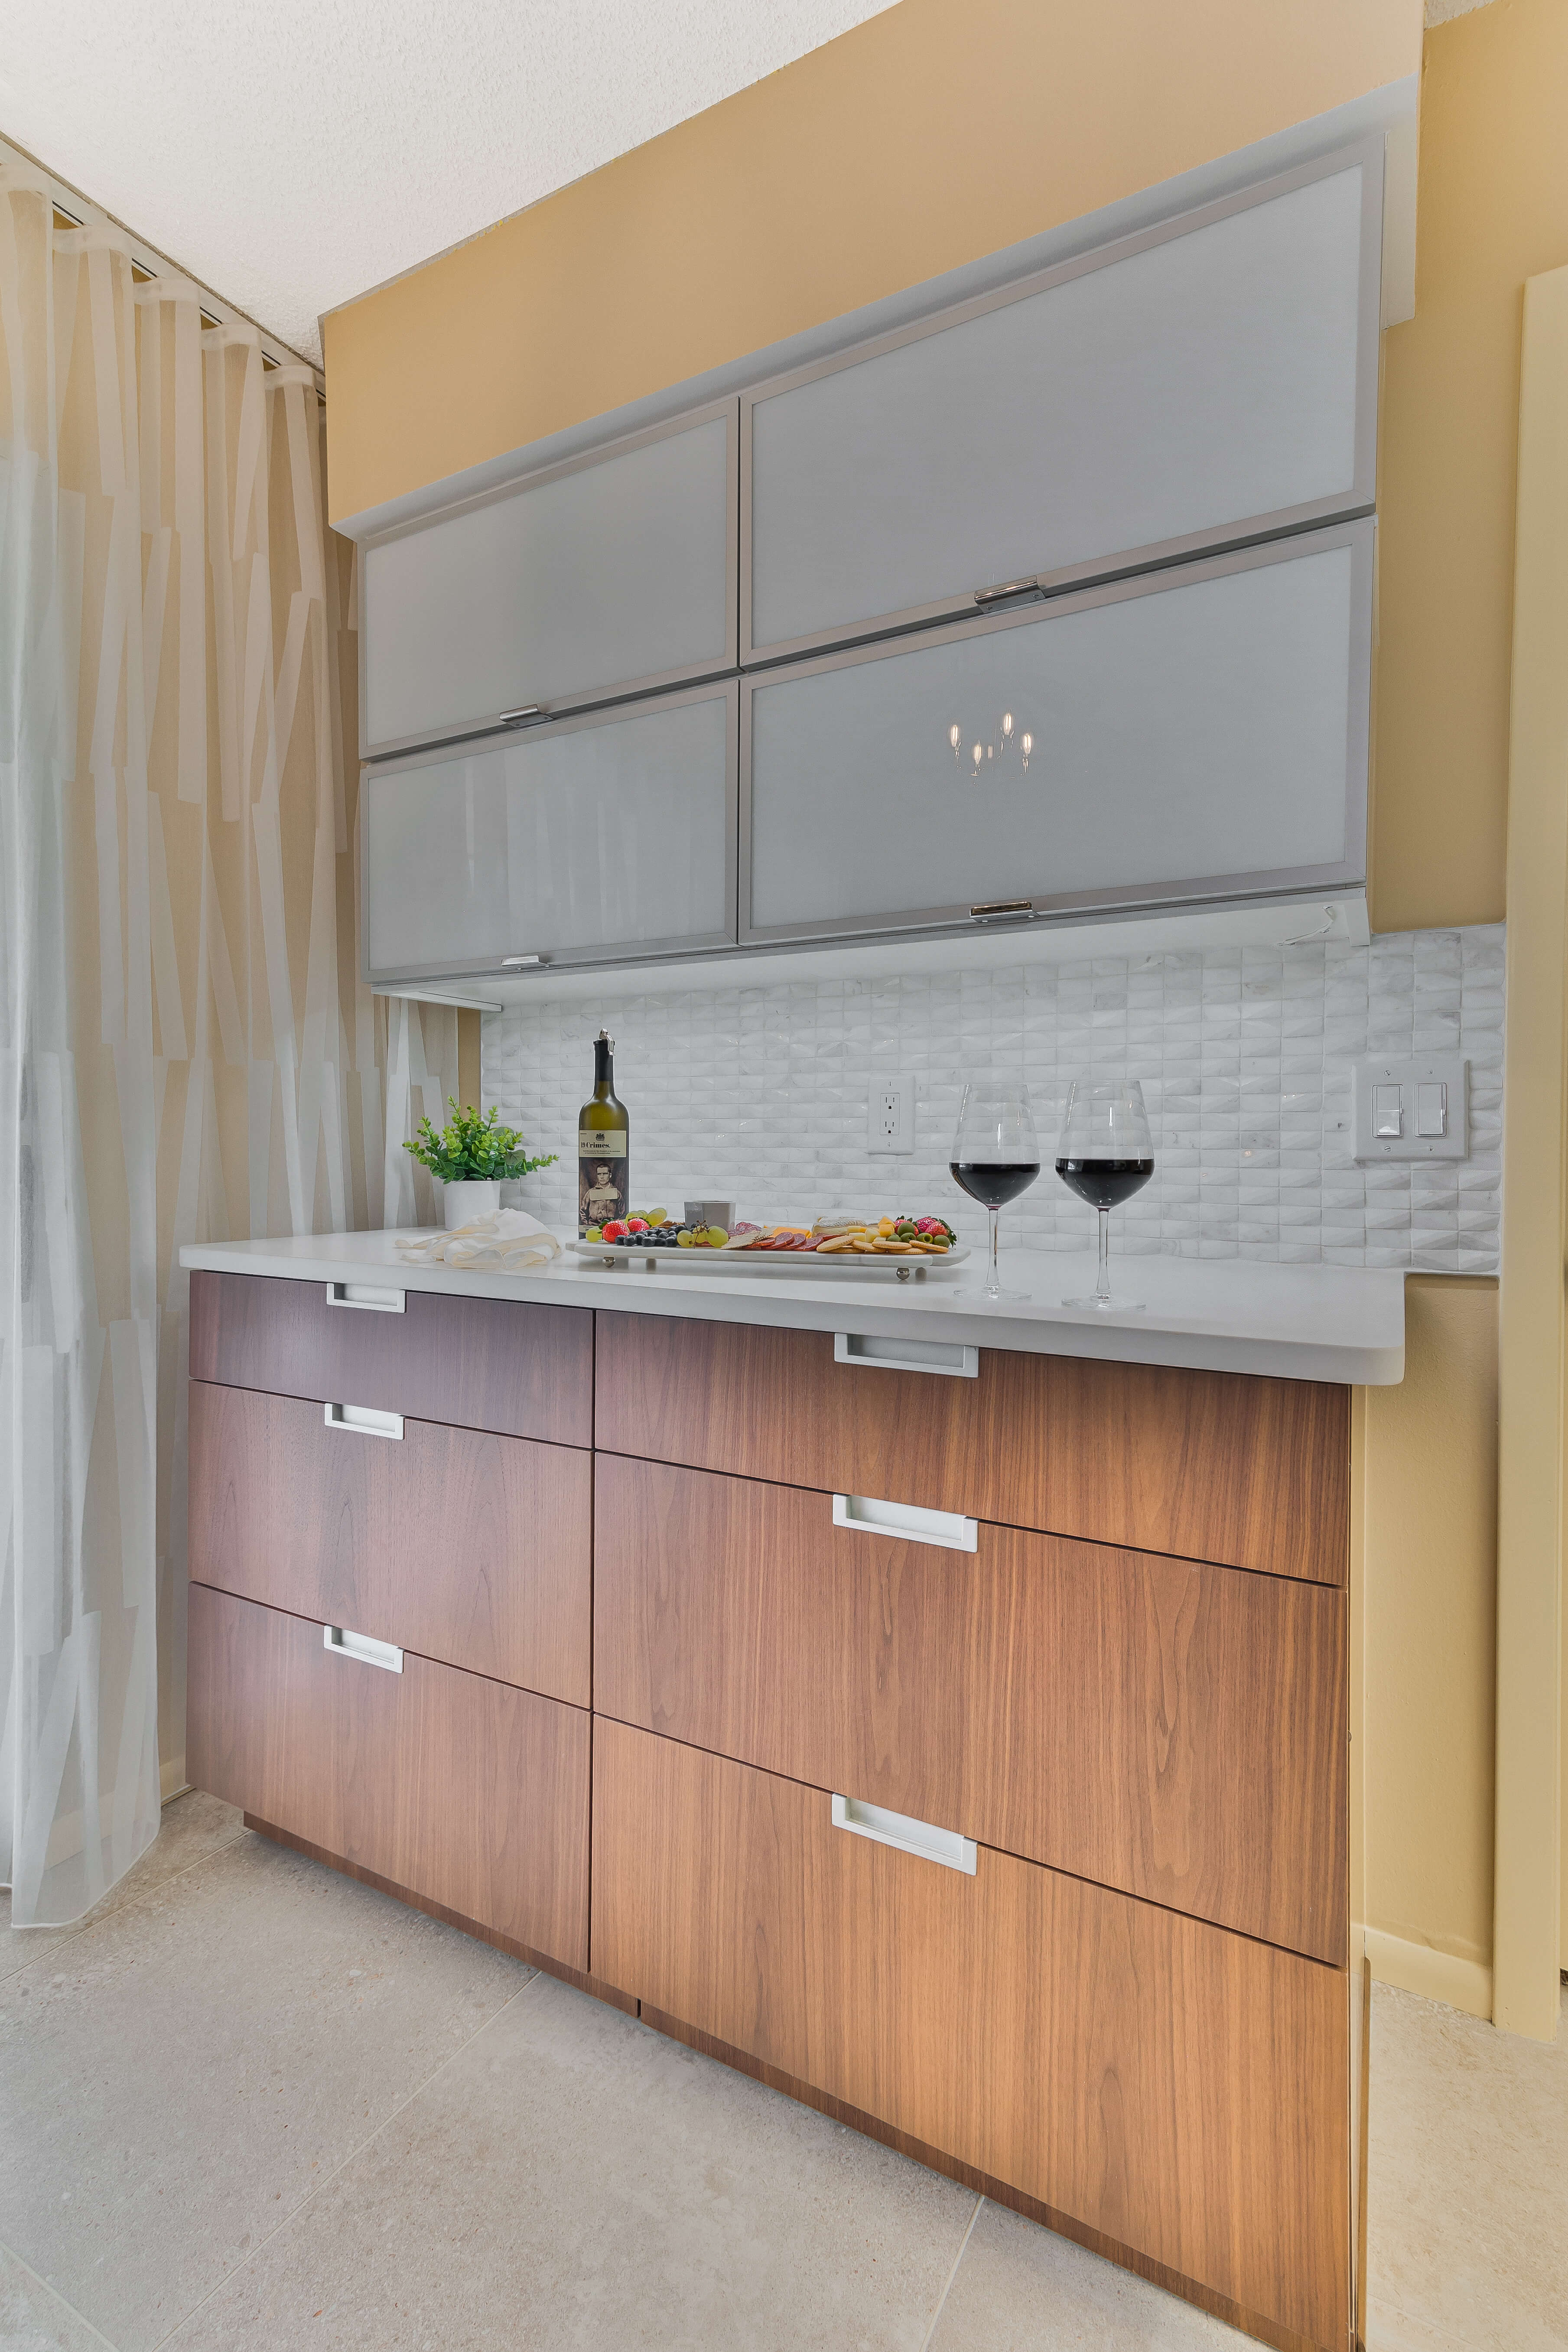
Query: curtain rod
{"points": [[147, 260]]}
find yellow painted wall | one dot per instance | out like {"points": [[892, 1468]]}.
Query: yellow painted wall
{"points": [[1428, 1611], [931, 136], [935, 134], [1493, 211]]}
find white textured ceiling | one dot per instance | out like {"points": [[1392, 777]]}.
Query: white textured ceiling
{"points": [[293, 153]]}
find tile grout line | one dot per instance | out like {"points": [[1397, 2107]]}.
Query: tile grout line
{"points": [[309, 2199], [74, 1928], [947, 2284], [55, 2294]]}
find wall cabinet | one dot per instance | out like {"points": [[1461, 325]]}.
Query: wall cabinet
{"points": [[612, 575], [603, 837], [1210, 381], [1125, 500], [1196, 733]]}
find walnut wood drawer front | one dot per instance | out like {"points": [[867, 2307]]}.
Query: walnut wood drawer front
{"points": [[459, 1788], [1179, 2088], [469, 1547], [1168, 1727], [1222, 1467], [478, 1363]]}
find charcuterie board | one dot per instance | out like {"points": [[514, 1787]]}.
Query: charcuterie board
{"points": [[845, 1265]]}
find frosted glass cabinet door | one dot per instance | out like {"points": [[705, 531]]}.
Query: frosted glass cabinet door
{"points": [[612, 574], [1209, 381], [601, 836], [1198, 733]]}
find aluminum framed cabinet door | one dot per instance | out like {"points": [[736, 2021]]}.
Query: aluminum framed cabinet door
{"points": [[596, 837], [1199, 734], [1206, 382], [613, 574]]}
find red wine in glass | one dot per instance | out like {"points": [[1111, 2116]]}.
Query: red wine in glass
{"points": [[994, 1155], [994, 1182], [1105, 1154], [1103, 1183]]}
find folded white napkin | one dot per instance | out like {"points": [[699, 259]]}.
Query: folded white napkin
{"points": [[508, 1240]]}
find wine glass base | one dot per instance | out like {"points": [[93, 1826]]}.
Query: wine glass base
{"points": [[1003, 1297], [1109, 1305]]}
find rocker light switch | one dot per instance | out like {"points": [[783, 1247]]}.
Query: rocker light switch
{"points": [[1411, 1111], [1431, 1110], [1388, 1119]]}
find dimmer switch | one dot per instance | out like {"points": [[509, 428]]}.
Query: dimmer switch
{"points": [[1411, 1111], [1431, 1110]]}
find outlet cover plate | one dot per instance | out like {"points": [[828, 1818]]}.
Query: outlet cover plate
{"points": [[1429, 1097], [890, 1115]]}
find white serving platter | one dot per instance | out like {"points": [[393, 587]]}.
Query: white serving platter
{"points": [[782, 1262]]}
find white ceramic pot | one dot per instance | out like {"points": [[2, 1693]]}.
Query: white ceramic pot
{"points": [[459, 1203]]}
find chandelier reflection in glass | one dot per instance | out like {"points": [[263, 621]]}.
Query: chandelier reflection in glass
{"points": [[1008, 744]]}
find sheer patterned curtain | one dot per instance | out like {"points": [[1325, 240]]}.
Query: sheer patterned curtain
{"points": [[186, 1051]]}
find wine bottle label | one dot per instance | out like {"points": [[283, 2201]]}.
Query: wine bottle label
{"points": [[609, 1142], [602, 1183]]}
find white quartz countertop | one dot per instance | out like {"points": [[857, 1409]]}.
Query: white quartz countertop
{"points": [[1296, 1322]]}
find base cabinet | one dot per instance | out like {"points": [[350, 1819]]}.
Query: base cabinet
{"points": [[459, 1788], [1175, 1730], [1179, 2088], [1019, 1839]]}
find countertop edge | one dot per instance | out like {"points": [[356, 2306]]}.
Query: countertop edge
{"points": [[1201, 1346]]}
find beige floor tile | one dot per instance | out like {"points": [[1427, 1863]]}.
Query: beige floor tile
{"points": [[575, 2181], [190, 1827], [1468, 2182], [1020, 2288], [1391, 2331], [34, 2319], [176, 2079]]}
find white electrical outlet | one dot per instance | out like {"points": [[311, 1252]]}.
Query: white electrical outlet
{"points": [[891, 1116]]}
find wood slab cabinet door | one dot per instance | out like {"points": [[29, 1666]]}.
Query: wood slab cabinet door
{"points": [[1181, 2090], [1224, 1466], [454, 1787], [464, 1545], [1172, 1728], [478, 1363]]}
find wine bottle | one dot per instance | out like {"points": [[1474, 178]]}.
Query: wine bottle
{"points": [[603, 1133]]}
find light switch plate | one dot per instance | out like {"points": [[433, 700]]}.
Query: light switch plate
{"points": [[890, 1115], [1430, 1100]]}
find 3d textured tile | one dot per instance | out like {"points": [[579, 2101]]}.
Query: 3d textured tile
{"points": [[1245, 1054]]}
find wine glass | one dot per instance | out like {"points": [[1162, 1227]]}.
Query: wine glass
{"points": [[1105, 1156], [995, 1154]]}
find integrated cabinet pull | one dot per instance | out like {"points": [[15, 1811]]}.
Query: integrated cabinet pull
{"points": [[365, 1420], [527, 714], [366, 1294], [363, 1648], [960, 1363], [521, 962], [1000, 910], [910, 1836], [951, 1530], [1031, 589]]}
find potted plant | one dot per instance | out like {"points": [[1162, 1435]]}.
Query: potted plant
{"points": [[469, 1158]]}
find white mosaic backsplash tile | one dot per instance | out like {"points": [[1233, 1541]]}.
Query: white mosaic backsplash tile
{"points": [[759, 1094]]}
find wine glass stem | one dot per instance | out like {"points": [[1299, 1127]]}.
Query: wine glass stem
{"points": [[993, 1280], [1102, 1287]]}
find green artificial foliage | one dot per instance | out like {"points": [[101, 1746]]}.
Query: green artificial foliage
{"points": [[471, 1149]]}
